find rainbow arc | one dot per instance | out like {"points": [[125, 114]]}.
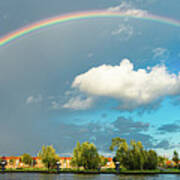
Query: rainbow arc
{"points": [[80, 16]]}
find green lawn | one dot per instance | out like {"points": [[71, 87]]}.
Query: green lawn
{"points": [[93, 171]]}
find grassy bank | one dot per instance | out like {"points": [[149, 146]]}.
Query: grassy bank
{"points": [[103, 171]]}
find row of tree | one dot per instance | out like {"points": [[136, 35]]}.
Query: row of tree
{"points": [[47, 155], [131, 156]]}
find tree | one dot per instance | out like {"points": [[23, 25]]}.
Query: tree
{"points": [[86, 155], [48, 156], [26, 159], [76, 160], [175, 157], [161, 161], [137, 157], [12, 161], [122, 149], [151, 160], [133, 156], [34, 162], [103, 161]]}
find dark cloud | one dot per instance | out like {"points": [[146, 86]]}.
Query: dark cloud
{"points": [[148, 108], [146, 139], [164, 144], [100, 134], [169, 128], [176, 101], [104, 115], [124, 126]]}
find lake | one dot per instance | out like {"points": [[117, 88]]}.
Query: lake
{"points": [[25, 176]]}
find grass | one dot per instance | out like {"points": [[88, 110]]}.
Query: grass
{"points": [[106, 171]]}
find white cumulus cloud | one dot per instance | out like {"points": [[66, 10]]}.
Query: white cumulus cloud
{"points": [[79, 103], [133, 88]]}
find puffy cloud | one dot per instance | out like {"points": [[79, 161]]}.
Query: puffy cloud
{"points": [[127, 9], [34, 99], [132, 88], [79, 103]]}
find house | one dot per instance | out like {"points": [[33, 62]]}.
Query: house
{"points": [[15, 162]]}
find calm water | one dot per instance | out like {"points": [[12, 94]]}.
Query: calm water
{"points": [[84, 177]]}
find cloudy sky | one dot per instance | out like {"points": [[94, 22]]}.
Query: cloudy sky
{"points": [[89, 80]]}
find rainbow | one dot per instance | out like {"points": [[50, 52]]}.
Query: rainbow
{"points": [[80, 16]]}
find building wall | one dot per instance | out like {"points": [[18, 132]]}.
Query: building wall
{"points": [[65, 163]]}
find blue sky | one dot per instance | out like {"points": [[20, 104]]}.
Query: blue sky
{"points": [[89, 80]]}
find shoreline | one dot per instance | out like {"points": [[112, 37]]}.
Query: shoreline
{"points": [[91, 172]]}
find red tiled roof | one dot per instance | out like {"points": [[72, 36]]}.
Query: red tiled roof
{"points": [[169, 162], [36, 158], [109, 159], [65, 158], [10, 157]]}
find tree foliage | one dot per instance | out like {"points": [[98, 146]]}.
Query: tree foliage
{"points": [[27, 159], [48, 156], [103, 161], [175, 157], [162, 161], [12, 161], [86, 155], [133, 156]]}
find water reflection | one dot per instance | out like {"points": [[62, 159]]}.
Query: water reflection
{"points": [[84, 177]]}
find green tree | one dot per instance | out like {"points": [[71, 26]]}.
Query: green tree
{"points": [[175, 157], [121, 147], [133, 156], [76, 160], [151, 160], [86, 155], [12, 161], [48, 156], [161, 161], [103, 161], [26, 159]]}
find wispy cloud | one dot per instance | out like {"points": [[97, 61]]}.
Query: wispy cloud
{"points": [[90, 55], [127, 9], [34, 99], [55, 105], [125, 32], [160, 53]]}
